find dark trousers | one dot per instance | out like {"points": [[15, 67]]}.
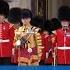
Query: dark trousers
{"points": [[42, 62], [5, 61]]}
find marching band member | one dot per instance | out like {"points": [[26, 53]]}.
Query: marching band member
{"points": [[45, 36], [30, 41], [38, 22], [6, 34]]}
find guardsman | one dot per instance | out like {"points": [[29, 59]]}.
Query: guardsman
{"points": [[6, 34], [47, 42], [55, 25], [63, 36], [62, 42], [14, 18]]}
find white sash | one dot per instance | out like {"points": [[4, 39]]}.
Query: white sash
{"points": [[64, 48], [1, 41]]}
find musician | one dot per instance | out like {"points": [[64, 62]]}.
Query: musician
{"points": [[45, 31], [29, 42], [38, 22]]}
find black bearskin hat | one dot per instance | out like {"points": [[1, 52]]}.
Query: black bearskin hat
{"points": [[47, 25], [26, 13], [37, 21], [55, 24], [14, 15], [64, 13], [4, 8]]}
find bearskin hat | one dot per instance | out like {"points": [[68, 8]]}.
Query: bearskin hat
{"points": [[55, 24], [4, 8], [64, 13], [14, 15], [47, 26], [37, 21], [26, 13]]}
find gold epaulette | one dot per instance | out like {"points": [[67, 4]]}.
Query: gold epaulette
{"points": [[39, 44], [21, 29], [17, 31], [38, 38]]}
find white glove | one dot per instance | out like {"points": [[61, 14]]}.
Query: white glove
{"points": [[47, 55], [18, 43]]}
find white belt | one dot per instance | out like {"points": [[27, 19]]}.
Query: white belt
{"points": [[63, 48], [1, 41]]}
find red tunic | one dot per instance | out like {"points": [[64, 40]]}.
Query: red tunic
{"points": [[46, 41], [63, 39], [6, 39]]}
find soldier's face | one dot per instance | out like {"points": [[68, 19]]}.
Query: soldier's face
{"points": [[2, 18], [46, 32], [25, 21], [54, 32], [65, 24]]}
